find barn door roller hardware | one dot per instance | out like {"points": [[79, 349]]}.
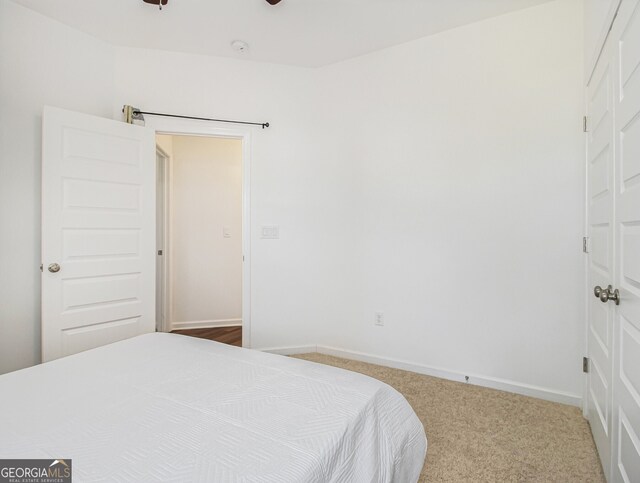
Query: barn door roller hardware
{"points": [[132, 114], [159, 3]]}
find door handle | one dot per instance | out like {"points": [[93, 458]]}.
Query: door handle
{"points": [[606, 294], [53, 267]]}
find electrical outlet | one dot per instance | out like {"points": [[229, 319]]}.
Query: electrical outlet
{"points": [[270, 232], [378, 318]]}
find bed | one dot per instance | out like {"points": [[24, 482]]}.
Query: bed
{"points": [[166, 407]]}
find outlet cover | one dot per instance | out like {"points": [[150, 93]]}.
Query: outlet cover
{"points": [[270, 232]]}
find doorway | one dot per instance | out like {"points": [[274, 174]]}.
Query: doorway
{"points": [[201, 236]]}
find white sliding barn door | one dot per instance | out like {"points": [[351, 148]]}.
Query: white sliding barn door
{"points": [[98, 232], [600, 178], [626, 401]]}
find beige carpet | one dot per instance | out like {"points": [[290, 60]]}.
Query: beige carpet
{"points": [[477, 434]]}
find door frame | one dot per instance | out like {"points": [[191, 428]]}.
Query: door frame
{"points": [[586, 247], [166, 237], [188, 127]]}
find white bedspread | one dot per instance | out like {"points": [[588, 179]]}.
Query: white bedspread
{"points": [[163, 407]]}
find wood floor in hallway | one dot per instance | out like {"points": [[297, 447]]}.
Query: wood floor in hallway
{"points": [[226, 335]]}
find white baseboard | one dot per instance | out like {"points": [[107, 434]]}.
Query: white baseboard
{"points": [[205, 324], [292, 350], [478, 380], [492, 382]]}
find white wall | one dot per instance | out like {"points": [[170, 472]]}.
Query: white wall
{"points": [[294, 280], [206, 198], [438, 181], [465, 154], [41, 62]]}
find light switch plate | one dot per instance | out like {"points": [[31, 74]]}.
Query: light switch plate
{"points": [[378, 318], [226, 232], [270, 232]]}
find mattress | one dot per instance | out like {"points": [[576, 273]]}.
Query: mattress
{"points": [[165, 407]]}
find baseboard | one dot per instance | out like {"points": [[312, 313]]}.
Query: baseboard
{"points": [[492, 382], [484, 381], [205, 324], [291, 350]]}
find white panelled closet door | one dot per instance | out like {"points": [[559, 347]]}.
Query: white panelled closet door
{"points": [[600, 177], [626, 384], [98, 232], [613, 156]]}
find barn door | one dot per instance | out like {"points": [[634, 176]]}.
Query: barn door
{"points": [[98, 232]]}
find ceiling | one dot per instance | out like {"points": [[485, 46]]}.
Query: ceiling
{"points": [[308, 33]]}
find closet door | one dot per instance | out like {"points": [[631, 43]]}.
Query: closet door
{"points": [[600, 195], [626, 396], [598, 16]]}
